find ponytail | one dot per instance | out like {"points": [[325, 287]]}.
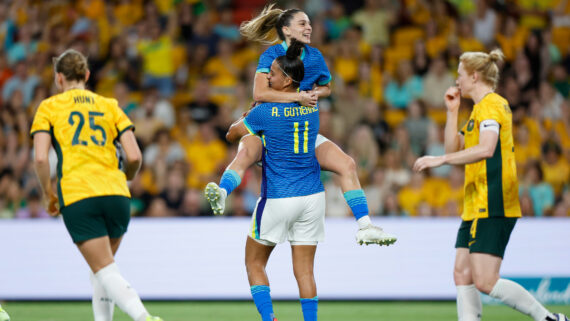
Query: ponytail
{"points": [[291, 64], [266, 27]]}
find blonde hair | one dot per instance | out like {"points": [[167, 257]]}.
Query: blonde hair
{"points": [[266, 27], [72, 64], [485, 64]]}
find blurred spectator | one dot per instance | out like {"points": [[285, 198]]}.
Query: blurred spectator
{"points": [[192, 204], [375, 18], [436, 81], [404, 88], [541, 193], [156, 47], [556, 168], [376, 192], [421, 60], [363, 149], [418, 124], [155, 112], [225, 28], [337, 21], [485, 23], [164, 148], [33, 208], [22, 81]]}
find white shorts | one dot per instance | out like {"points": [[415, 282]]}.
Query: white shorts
{"points": [[320, 139], [299, 220]]}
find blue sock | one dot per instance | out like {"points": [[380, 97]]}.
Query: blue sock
{"points": [[230, 180], [262, 300], [357, 202], [310, 307]]}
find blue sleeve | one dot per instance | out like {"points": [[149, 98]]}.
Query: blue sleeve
{"points": [[265, 60], [255, 119], [324, 73]]}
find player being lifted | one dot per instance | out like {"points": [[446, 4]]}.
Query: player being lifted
{"points": [[291, 207], [92, 193], [491, 205], [289, 24]]}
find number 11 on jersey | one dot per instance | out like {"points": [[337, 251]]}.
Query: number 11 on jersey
{"points": [[305, 138]]}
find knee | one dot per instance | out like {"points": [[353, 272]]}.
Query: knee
{"points": [[485, 284], [348, 165], [249, 151], [462, 276]]}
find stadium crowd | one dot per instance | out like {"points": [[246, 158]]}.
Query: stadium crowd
{"points": [[182, 73]]}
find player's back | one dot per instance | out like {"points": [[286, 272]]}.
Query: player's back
{"points": [[84, 128], [289, 132]]}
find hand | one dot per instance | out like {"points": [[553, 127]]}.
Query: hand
{"points": [[428, 162], [452, 99], [52, 204], [308, 98]]}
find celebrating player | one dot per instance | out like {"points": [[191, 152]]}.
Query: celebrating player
{"points": [[292, 206], [92, 193], [491, 206], [289, 24]]}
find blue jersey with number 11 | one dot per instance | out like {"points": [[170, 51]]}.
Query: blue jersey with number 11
{"points": [[288, 132]]}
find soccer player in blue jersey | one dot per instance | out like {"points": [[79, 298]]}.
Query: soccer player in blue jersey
{"points": [[270, 26], [292, 202]]}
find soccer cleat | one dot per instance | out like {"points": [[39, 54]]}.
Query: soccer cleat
{"points": [[558, 317], [217, 198], [4, 315], [151, 318], [374, 235]]}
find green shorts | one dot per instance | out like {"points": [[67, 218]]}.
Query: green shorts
{"points": [[486, 235], [97, 216]]}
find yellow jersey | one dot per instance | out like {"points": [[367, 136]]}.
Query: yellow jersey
{"points": [[84, 128], [491, 186]]}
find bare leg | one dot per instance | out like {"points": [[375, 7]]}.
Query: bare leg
{"points": [[469, 306], [256, 257], [485, 271], [332, 158], [303, 262], [98, 253], [249, 152]]}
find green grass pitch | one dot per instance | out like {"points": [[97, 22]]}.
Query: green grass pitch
{"points": [[285, 311]]}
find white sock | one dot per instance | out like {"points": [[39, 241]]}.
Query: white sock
{"points": [[120, 291], [469, 306], [102, 304], [515, 296], [364, 222]]}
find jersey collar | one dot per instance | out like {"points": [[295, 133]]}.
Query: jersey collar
{"points": [[284, 45]]}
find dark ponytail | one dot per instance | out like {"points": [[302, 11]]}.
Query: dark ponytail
{"points": [[291, 64]]}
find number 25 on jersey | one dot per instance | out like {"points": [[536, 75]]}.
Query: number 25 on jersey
{"points": [[77, 117]]}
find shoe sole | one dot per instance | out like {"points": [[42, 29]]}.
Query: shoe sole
{"points": [[212, 194], [386, 242]]}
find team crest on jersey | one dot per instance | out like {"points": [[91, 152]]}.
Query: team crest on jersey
{"points": [[470, 125]]}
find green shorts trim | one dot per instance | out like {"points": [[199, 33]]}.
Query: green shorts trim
{"points": [[486, 235], [97, 216]]}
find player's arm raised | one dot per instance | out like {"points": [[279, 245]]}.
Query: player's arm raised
{"points": [[453, 140], [133, 153]]}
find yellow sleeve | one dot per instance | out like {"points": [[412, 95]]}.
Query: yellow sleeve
{"points": [[494, 110], [122, 121], [42, 120]]}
